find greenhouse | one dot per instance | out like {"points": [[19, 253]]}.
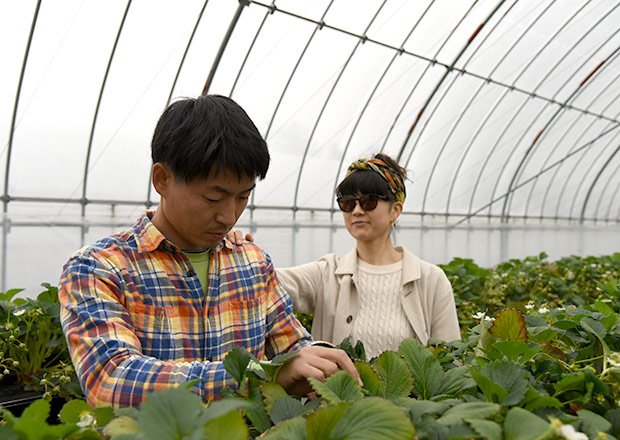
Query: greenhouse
{"points": [[505, 116]]}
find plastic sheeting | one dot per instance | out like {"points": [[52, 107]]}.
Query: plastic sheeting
{"points": [[503, 112]]}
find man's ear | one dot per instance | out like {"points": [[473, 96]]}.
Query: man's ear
{"points": [[161, 177]]}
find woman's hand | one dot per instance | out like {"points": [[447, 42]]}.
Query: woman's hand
{"points": [[236, 236]]}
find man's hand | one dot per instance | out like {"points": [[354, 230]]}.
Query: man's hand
{"points": [[236, 236], [316, 362]]}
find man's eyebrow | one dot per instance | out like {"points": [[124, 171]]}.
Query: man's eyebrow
{"points": [[227, 192]]}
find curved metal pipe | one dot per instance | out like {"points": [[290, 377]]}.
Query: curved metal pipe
{"points": [[497, 102], [176, 78], [440, 82], [318, 119], [548, 124], [223, 44], [94, 124], [18, 93]]}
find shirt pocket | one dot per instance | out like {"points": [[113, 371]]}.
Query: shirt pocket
{"points": [[152, 328], [243, 323]]}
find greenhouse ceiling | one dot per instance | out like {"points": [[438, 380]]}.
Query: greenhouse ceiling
{"points": [[499, 109]]}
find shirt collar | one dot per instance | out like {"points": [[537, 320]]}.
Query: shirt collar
{"points": [[150, 238]]}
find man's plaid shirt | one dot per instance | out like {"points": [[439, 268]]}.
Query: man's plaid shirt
{"points": [[136, 318]]}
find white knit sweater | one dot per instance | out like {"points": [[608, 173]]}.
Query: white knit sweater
{"points": [[382, 323]]}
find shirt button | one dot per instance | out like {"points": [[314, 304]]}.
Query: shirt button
{"points": [[191, 273], [349, 319]]}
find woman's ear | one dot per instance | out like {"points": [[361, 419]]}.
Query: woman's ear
{"points": [[397, 208], [161, 176]]}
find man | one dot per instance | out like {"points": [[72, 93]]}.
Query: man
{"points": [[163, 302]]}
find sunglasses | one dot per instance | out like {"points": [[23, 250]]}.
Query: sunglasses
{"points": [[367, 202]]}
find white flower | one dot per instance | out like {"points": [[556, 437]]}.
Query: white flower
{"points": [[488, 318], [529, 306], [478, 315], [613, 362], [543, 310], [19, 312], [86, 419], [568, 431]]}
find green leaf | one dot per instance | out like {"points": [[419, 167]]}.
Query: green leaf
{"points": [[492, 391], [469, 410], [370, 378], [517, 351], [373, 418], [272, 392], [509, 325], [395, 375], [487, 429], [7, 433], [534, 400], [256, 411], [454, 380], [70, 412], [521, 424], [272, 367], [427, 371], [419, 408], [235, 363], [170, 413], [121, 425], [220, 408], [33, 425], [592, 423], [230, 426], [286, 408], [320, 423], [104, 415], [339, 387], [509, 376], [292, 429]]}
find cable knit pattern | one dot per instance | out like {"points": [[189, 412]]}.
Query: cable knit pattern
{"points": [[382, 323]]}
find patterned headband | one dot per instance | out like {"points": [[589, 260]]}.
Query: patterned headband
{"points": [[390, 175]]}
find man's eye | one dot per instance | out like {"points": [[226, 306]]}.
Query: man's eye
{"points": [[211, 200]]}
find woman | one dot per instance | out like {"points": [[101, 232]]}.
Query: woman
{"points": [[377, 293]]}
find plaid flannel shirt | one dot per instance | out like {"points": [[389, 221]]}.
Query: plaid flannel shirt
{"points": [[136, 318]]}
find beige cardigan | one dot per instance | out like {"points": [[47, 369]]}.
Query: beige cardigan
{"points": [[327, 289]]}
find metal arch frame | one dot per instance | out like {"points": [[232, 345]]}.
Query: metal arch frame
{"points": [[415, 86], [174, 83], [505, 130], [318, 119], [35, 17], [449, 69], [5, 197], [370, 97], [603, 192], [598, 175], [84, 200], [569, 175], [294, 71], [462, 113], [616, 193], [251, 47], [561, 140], [561, 105], [579, 117], [567, 181], [492, 110], [582, 86], [525, 182]]}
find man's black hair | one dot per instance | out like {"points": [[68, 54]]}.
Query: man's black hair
{"points": [[197, 135]]}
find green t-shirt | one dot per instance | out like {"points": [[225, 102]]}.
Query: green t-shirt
{"points": [[200, 261]]}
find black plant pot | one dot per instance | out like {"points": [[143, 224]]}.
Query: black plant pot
{"points": [[16, 399]]}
